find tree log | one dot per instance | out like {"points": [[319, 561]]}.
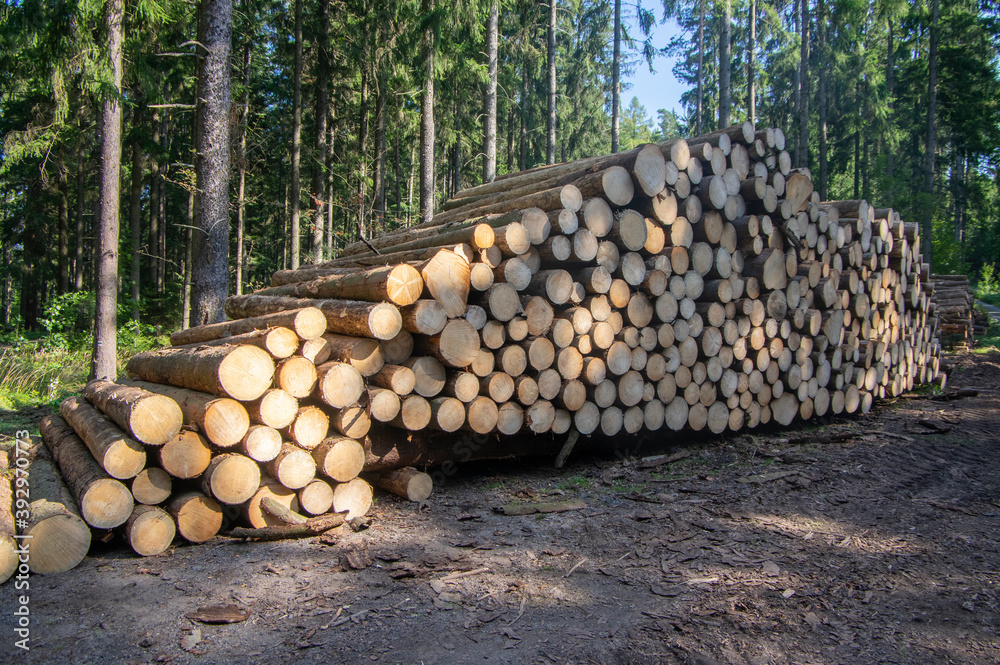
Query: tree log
{"points": [[306, 322], [121, 456], [240, 372], [59, 538], [150, 530], [150, 418], [344, 317]]}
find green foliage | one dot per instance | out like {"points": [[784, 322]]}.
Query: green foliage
{"points": [[68, 318], [988, 285]]}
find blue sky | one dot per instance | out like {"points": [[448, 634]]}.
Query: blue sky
{"points": [[660, 90]]}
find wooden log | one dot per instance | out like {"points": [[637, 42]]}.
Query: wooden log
{"points": [[424, 317], [261, 443], [186, 455], [306, 322], [240, 372], [316, 498], [198, 517], [354, 497], [231, 478], [279, 342], [310, 426], [150, 530], [407, 483], [222, 420], [399, 348], [351, 421], [364, 354], [293, 467], [477, 233], [150, 418], [275, 408], [456, 346], [59, 538], [103, 501], [8, 544], [400, 284], [340, 384], [339, 458], [481, 415], [296, 376], [275, 493], [151, 486], [383, 404], [344, 317], [121, 456]]}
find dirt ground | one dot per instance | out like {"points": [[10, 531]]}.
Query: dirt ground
{"points": [[881, 547]]}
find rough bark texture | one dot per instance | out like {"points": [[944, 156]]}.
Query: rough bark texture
{"points": [[60, 538], [150, 418], [616, 84], [551, 142], [210, 254], [725, 63], [104, 502], [427, 119], [928, 230], [296, 185], [105, 325], [490, 139], [119, 455]]}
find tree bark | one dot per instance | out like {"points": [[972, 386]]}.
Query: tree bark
{"points": [[803, 142], [492, 50], [823, 104], [928, 230], [751, 67], [362, 229], [890, 67], [135, 213], [701, 68], [81, 178], [296, 191], [616, 84], [320, 112], [210, 254], [382, 92], [63, 226], [725, 63], [106, 325], [152, 249], [551, 143], [241, 168], [427, 119]]}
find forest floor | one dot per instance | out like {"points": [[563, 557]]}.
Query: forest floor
{"points": [[865, 540]]}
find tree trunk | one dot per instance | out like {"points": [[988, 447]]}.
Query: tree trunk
{"points": [[928, 230], [63, 226], [135, 213], [241, 168], [821, 20], [725, 63], [363, 230], [890, 67], [857, 139], [210, 254], [152, 250], [149, 418], [397, 170], [616, 84], [8, 287], [321, 111], [106, 325], [701, 68], [523, 144], [490, 138], [427, 119], [551, 143], [751, 67], [81, 178], [296, 191], [382, 92], [803, 149], [161, 207]]}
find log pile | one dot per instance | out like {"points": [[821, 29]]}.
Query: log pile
{"points": [[953, 299], [689, 285]]}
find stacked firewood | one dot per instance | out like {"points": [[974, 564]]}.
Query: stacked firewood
{"points": [[953, 299], [690, 285]]}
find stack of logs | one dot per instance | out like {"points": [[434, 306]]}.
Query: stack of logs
{"points": [[696, 285], [953, 299]]}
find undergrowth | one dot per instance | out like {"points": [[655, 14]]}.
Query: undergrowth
{"points": [[44, 370]]}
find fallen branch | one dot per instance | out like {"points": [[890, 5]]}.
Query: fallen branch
{"points": [[311, 527]]}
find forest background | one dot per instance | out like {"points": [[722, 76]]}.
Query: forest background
{"points": [[204, 145]]}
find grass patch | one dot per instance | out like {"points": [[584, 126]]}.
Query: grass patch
{"points": [[43, 371]]}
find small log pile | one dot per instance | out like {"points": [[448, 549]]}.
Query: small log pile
{"points": [[688, 285], [953, 299]]}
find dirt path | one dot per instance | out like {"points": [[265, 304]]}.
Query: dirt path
{"points": [[878, 548]]}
